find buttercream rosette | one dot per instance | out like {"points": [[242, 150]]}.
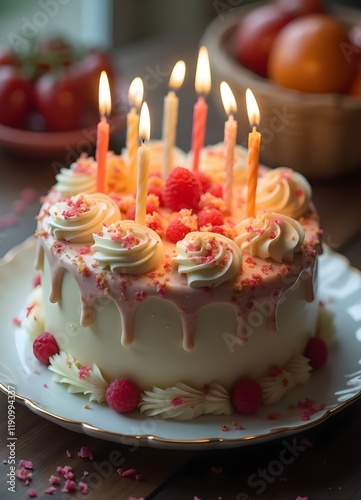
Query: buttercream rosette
{"points": [[207, 259], [128, 247], [270, 235], [78, 217], [79, 178], [284, 191]]}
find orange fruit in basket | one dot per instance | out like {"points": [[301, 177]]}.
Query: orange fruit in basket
{"points": [[355, 89], [313, 54]]}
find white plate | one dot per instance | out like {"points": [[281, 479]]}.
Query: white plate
{"points": [[337, 385]]}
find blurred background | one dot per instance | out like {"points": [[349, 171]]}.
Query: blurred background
{"points": [[112, 23]]}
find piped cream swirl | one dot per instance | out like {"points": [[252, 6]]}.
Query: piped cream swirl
{"points": [[127, 247], [77, 218], [79, 178], [269, 234], [207, 259], [284, 191], [182, 402]]}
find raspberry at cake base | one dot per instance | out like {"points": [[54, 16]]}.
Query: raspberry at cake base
{"points": [[187, 306]]}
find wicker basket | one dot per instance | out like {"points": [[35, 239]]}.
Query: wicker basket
{"points": [[316, 134]]}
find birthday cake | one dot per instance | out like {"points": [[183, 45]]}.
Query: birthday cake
{"points": [[201, 310]]}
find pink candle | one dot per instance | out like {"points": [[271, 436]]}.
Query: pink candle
{"points": [[103, 132], [203, 85]]}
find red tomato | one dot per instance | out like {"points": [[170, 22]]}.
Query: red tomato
{"points": [[298, 8], [16, 97], [53, 53], [312, 54], [8, 58], [255, 34], [59, 100], [87, 72]]}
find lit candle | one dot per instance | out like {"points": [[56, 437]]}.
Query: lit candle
{"points": [[170, 117], [230, 136], [200, 110], [143, 166], [103, 131], [135, 96], [254, 140]]}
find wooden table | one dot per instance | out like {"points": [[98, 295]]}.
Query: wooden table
{"points": [[328, 467]]}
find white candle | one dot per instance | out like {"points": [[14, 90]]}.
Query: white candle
{"points": [[230, 137], [135, 96], [143, 166], [170, 117]]}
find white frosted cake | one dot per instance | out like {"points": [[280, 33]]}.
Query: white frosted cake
{"points": [[189, 313]]}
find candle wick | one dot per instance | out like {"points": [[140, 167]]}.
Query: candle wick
{"points": [[254, 128]]}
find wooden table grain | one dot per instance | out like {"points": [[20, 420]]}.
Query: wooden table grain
{"points": [[323, 463]]}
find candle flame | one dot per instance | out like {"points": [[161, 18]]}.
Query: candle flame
{"points": [[228, 99], [105, 102], [203, 72], [177, 75], [252, 109], [136, 92], [144, 122]]}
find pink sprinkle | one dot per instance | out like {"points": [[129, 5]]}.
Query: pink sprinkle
{"points": [[239, 427], [66, 471], [131, 473], [83, 487], [69, 486], [302, 498], [45, 386], [28, 195], [23, 475], [36, 372], [86, 250], [27, 464], [8, 220], [224, 428], [140, 295], [83, 372], [274, 416], [68, 454], [18, 207], [85, 453], [298, 192], [32, 493], [304, 415], [54, 479], [177, 401], [16, 322], [50, 490], [275, 370], [306, 442]]}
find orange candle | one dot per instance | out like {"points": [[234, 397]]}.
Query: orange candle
{"points": [[103, 132], [254, 141], [200, 110], [230, 137], [142, 166]]}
